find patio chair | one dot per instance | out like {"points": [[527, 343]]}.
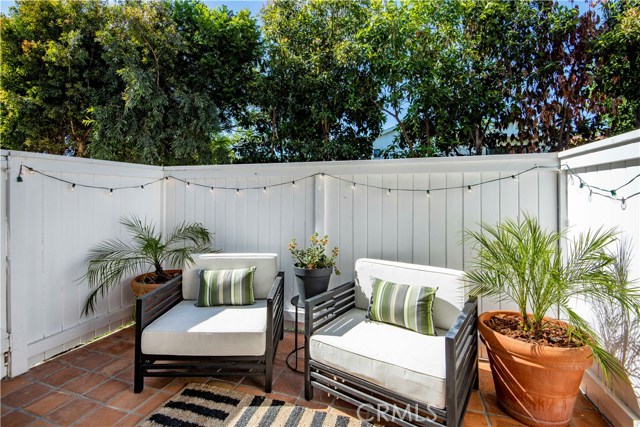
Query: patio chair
{"points": [[177, 338], [389, 372]]}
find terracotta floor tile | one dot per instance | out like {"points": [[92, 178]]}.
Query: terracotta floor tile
{"points": [[114, 367], [95, 361], [72, 411], [74, 356], [153, 403], [107, 390], [249, 389], [283, 397], [130, 420], [290, 384], [4, 410], [583, 403], [155, 382], [13, 384], [498, 421], [127, 375], [85, 383], [16, 419], [491, 404], [63, 376], [119, 348], [475, 403], [129, 400], [44, 369], [25, 395], [472, 419], [221, 384], [42, 423], [51, 401], [587, 418], [103, 416], [179, 383]]}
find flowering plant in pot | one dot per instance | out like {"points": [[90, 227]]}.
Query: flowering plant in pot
{"points": [[148, 251], [538, 362], [313, 267]]}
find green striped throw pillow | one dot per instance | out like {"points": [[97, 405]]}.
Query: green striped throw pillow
{"points": [[226, 287], [408, 306]]}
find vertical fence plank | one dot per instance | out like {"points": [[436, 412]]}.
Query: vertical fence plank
{"points": [[421, 203]]}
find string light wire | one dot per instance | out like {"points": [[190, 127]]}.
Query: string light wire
{"points": [[593, 190]]}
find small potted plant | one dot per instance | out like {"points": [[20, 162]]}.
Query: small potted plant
{"points": [[149, 250], [313, 267], [538, 362]]}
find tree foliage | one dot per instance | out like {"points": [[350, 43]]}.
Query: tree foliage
{"points": [[315, 98]]}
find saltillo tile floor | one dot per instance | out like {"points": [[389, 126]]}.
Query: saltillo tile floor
{"points": [[93, 386]]}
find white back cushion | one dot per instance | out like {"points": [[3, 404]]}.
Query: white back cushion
{"points": [[263, 277], [450, 283]]}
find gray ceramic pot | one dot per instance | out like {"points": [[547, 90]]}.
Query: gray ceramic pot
{"points": [[312, 282]]}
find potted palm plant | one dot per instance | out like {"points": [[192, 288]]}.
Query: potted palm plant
{"points": [[148, 251], [537, 362], [313, 267]]}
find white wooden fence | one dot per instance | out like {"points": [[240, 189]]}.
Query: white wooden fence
{"points": [[50, 229], [607, 165], [387, 214]]}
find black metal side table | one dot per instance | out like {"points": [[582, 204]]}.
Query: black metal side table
{"points": [[295, 301]]}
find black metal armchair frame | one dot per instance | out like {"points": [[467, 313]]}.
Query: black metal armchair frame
{"points": [[151, 306], [461, 346]]}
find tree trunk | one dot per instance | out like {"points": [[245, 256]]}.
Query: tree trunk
{"points": [[478, 141]]}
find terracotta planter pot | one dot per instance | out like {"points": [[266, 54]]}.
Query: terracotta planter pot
{"points": [[537, 385], [312, 282], [139, 288]]}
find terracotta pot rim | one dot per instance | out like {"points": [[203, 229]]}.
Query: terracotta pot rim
{"points": [[526, 349], [139, 277]]}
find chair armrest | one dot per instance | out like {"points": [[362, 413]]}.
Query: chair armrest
{"points": [[327, 306], [157, 302], [461, 346], [275, 314]]}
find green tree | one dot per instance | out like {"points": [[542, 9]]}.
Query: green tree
{"points": [[315, 98], [618, 64], [52, 72], [179, 69]]}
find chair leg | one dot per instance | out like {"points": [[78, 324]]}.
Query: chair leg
{"points": [[138, 379]]}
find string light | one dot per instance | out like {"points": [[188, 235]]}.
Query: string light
{"points": [[73, 187], [623, 204], [593, 190]]}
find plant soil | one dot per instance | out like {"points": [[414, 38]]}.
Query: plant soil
{"points": [[553, 334], [151, 280]]}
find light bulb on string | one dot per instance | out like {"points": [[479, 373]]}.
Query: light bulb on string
{"points": [[623, 204], [111, 191], [211, 190], [429, 193], [237, 191], [293, 184], [32, 171], [142, 187], [468, 188], [72, 188], [188, 184], [322, 176], [264, 189], [389, 192], [514, 177], [590, 195], [353, 186]]}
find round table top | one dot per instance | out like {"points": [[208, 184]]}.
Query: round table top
{"points": [[296, 301]]}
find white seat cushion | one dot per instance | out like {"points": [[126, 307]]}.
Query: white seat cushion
{"points": [[187, 330], [404, 361]]}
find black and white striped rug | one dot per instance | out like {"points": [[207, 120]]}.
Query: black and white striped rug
{"points": [[208, 406]]}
